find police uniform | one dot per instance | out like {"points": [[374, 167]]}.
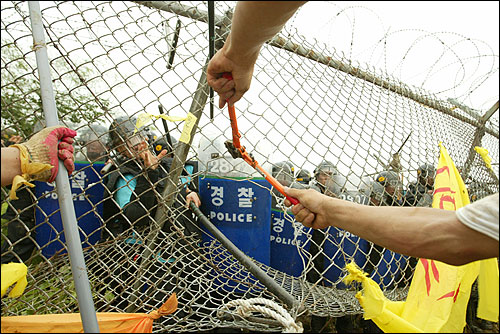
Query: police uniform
{"points": [[20, 218], [119, 211], [418, 192], [318, 238]]}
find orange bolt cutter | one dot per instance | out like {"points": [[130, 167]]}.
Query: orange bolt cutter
{"points": [[237, 151]]}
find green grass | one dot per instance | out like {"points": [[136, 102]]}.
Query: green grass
{"points": [[47, 296]]}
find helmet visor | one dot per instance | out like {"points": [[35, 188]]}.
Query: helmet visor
{"points": [[134, 141], [331, 182], [284, 178]]}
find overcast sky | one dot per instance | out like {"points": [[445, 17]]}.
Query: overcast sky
{"points": [[430, 36]]}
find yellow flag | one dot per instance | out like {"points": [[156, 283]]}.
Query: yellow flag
{"points": [[14, 274], [439, 293], [484, 154]]}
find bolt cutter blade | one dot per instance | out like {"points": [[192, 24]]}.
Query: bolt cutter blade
{"points": [[235, 153]]}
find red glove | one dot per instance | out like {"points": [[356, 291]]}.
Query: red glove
{"points": [[44, 147]]}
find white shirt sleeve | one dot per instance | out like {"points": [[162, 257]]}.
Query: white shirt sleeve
{"points": [[481, 216]]}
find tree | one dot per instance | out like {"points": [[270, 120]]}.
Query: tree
{"points": [[21, 99]]}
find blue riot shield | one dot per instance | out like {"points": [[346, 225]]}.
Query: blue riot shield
{"points": [[287, 236], [389, 269], [88, 194], [240, 209], [342, 247]]}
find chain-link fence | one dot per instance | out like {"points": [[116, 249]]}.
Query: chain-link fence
{"points": [[312, 118]]}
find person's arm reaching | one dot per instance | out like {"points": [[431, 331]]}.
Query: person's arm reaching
{"points": [[254, 22], [419, 232], [38, 158], [11, 164]]}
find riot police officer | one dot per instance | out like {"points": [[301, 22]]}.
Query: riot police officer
{"points": [[137, 174], [393, 197], [303, 176], [283, 172], [91, 143], [389, 179], [374, 191], [420, 193], [328, 179]]}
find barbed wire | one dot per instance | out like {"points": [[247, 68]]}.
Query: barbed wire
{"points": [[310, 103]]}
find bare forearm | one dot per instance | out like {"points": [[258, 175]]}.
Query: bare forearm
{"points": [[400, 229], [418, 232], [11, 164], [255, 22]]}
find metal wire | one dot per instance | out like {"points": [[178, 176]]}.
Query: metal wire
{"points": [[309, 103]]}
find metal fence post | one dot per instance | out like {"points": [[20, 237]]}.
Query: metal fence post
{"points": [[167, 197], [478, 136], [260, 274], [75, 252]]}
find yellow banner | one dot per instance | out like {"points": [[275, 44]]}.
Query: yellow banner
{"points": [[484, 154], [439, 293], [190, 119], [146, 118]]}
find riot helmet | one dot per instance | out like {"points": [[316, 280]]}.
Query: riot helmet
{"points": [[328, 178], [151, 135], [160, 143], [389, 179], [283, 172], [326, 166], [124, 138], [426, 173], [303, 176], [92, 141], [376, 193]]}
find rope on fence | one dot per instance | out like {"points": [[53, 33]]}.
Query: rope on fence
{"points": [[245, 307]]}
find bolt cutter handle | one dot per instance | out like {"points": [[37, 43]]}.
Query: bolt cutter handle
{"points": [[232, 117], [238, 151]]}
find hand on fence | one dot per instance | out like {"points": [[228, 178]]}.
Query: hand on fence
{"points": [[312, 208], [16, 139], [149, 159], [192, 196], [46, 147], [241, 70]]}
